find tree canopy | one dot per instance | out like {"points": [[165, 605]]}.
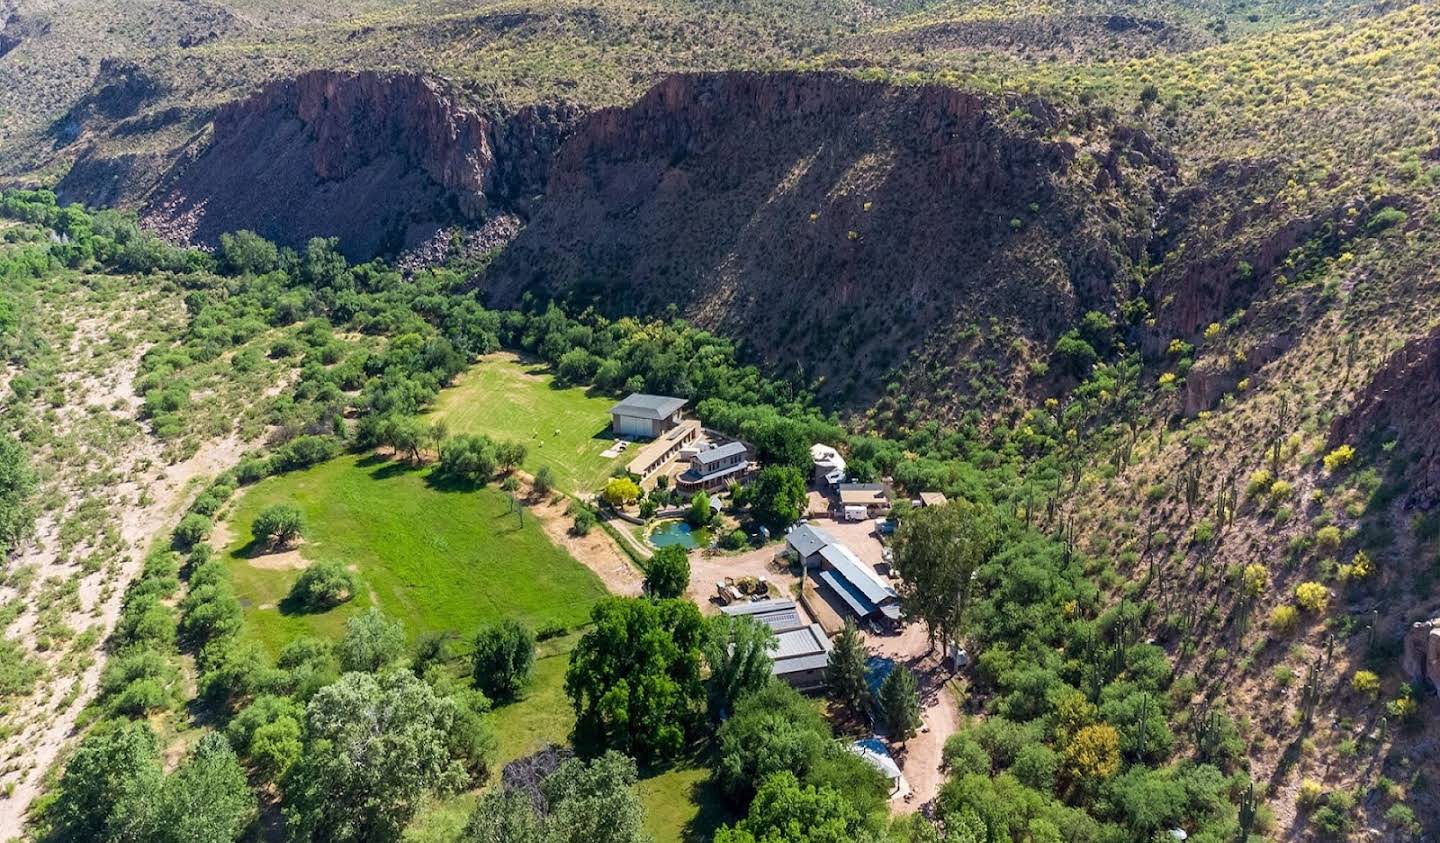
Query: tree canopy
{"points": [[634, 678]]}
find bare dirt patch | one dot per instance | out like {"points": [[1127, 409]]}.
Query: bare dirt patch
{"points": [[595, 550], [939, 710], [285, 560], [708, 569]]}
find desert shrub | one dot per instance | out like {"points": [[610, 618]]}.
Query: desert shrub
{"points": [[1365, 682], [278, 525], [1284, 618], [1328, 537], [1254, 579], [322, 586], [1339, 458], [1312, 596]]}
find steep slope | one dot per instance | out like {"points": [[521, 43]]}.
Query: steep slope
{"points": [[842, 226], [378, 160]]}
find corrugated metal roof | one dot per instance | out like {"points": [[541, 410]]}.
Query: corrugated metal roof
{"points": [[858, 574], [654, 407], [808, 540], [853, 597], [799, 649], [720, 452], [776, 614]]}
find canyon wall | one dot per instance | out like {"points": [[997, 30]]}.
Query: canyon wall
{"points": [[847, 223], [378, 160]]}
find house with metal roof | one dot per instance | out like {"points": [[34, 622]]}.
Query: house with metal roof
{"points": [[858, 585], [714, 466], [806, 541], [642, 416], [801, 651], [859, 501]]}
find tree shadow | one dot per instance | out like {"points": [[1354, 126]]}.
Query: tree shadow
{"points": [[438, 481], [713, 812]]}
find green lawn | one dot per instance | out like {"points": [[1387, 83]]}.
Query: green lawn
{"points": [[566, 429], [435, 558]]}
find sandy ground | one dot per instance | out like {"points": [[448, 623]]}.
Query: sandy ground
{"points": [[143, 498], [596, 551], [939, 709], [706, 570]]}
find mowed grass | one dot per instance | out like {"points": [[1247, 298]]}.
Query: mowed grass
{"points": [[506, 398], [433, 557]]}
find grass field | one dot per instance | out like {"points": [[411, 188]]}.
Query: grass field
{"points": [[435, 558], [566, 429]]}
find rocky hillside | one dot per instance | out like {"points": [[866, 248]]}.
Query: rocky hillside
{"points": [[380, 161], [845, 228]]}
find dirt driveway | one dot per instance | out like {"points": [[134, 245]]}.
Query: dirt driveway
{"points": [[706, 570], [939, 710]]}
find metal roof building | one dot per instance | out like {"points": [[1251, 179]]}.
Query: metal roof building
{"points": [[801, 651], [857, 584], [808, 540]]}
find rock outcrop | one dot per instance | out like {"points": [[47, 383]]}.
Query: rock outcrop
{"points": [[1421, 656], [1401, 403], [378, 160], [846, 223]]}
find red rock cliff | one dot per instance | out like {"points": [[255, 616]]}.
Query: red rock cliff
{"points": [[848, 223], [378, 160]]}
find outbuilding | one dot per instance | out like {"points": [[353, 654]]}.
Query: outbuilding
{"points": [[642, 416]]}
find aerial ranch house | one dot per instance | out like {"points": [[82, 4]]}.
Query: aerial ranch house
{"points": [[645, 416], [801, 651], [855, 585], [714, 466]]}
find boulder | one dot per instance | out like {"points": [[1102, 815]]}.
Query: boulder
{"points": [[1421, 657]]}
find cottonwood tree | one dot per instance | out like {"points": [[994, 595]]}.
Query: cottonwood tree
{"points": [[785, 810], [504, 659], [737, 650], [371, 641], [375, 748], [937, 551], [777, 497], [770, 731], [634, 678], [667, 574]]}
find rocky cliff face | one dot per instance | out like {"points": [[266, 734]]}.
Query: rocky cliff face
{"points": [[1402, 403], [378, 160], [841, 222]]}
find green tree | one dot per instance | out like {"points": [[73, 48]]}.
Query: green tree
{"points": [[737, 650], [544, 480], [587, 802], [634, 678], [699, 514], [206, 800], [845, 670], [17, 482], [770, 731], [375, 748], [777, 497], [110, 786], [371, 641], [504, 659], [510, 455], [784, 811], [899, 703], [503, 816], [937, 551], [278, 525], [471, 458], [323, 585], [247, 253], [667, 574]]}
